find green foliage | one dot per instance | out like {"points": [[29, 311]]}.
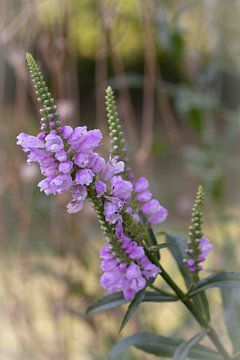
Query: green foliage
{"points": [[178, 253], [231, 306], [114, 300], [132, 308], [220, 279], [162, 346], [182, 351]]}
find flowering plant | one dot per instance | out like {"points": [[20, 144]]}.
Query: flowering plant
{"points": [[70, 162]]}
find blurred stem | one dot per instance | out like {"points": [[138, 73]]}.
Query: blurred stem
{"points": [[211, 333]]}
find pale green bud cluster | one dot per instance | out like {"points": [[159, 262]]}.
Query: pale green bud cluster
{"points": [[48, 108], [195, 230], [118, 141]]}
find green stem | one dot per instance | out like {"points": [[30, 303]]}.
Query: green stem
{"points": [[211, 333]]}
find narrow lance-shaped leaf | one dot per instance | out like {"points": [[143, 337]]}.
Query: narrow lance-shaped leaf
{"points": [[231, 305], [183, 349], [221, 279], [178, 253], [132, 308], [114, 300], [162, 346]]}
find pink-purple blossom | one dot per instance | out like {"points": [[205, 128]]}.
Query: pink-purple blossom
{"points": [[84, 177], [112, 168], [69, 162]]}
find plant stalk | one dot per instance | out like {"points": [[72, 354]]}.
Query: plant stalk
{"points": [[211, 333]]}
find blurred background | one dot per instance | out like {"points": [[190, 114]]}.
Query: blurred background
{"points": [[175, 68]]}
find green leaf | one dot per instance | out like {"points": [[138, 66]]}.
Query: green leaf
{"points": [[160, 296], [113, 300], [161, 346], [221, 279], [106, 303], [134, 304], [182, 351], [231, 305], [204, 303], [178, 253]]}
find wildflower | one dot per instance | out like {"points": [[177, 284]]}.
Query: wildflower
{"points": [[154, 212], [198, 246], [84, 177], [121, 188], [100, 188], [112, 168], [69, 161]]}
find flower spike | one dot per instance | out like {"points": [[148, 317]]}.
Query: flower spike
{"points": [[70, 163], [48, 108], [198, 246], [118, 142]]}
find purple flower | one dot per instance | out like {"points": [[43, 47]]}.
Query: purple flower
{"points": [[61, 155], [79, 194], [67, 132], [96, 163], [56, 184], [90, 140], [151, 207], [61, 183], [144, 196], [45, 186], [54, 143], [155, 213], [84, 177], [48, 165], [149, 270], [205, 246], [106, 252], [141, 185], [74, 206], [37, 155], [121, 188], [81, 159], [190, 262], [29, 142], [159, 217], [77, 134], [111, 211], [112, 168], [100, 188], [65, 167]]}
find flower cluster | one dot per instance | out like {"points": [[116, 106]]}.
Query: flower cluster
{"points": [[205, 247], [69, 162], [198, 246], [128, 277]]}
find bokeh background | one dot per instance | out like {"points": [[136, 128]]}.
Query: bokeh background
{"points": [[175, 67]]}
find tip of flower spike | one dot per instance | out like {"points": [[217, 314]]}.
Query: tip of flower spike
{"points": [[109, 89], [29, 57], [200, 189]]}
